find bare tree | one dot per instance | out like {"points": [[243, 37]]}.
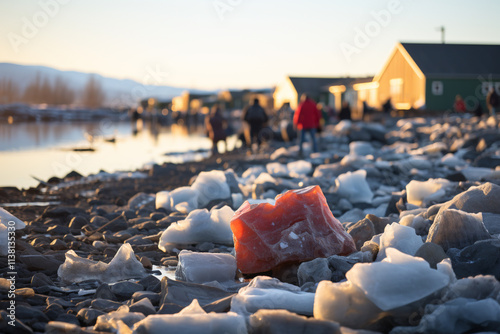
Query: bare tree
{"points": [[93, 94], [9, 91], [33, 92], [61, 93]]}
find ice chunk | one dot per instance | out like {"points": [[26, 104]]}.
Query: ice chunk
{"points": [[299, 168], [139, 200], [193, 319], [372, 289], [8, 219], [163, 200], [124, 265], [476, 173], [401, 237], [451, 160], [277, 169], [457, 229], [110, 322], [354, 187], [211, 185], [199, 226], [184, 199], [253, 172], [260, 230], [205, 267], [361, 148], [421, 193], [267, 293], [344, 303], [8, 225], [401, 279]]}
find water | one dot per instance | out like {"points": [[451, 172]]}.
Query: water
{"points": [[30, 151]]}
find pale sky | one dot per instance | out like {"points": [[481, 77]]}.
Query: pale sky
{"points": [[212, 44]]}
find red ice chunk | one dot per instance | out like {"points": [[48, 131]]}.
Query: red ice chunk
{"points": [[299, 227]]}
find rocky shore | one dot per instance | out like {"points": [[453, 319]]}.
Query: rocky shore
{"points": [[417, 199]]}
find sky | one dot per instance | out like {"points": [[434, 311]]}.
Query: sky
{"points": [[217, 44]]}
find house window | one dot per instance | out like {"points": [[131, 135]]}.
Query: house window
{"points": [[437, 88], [396, 89]]}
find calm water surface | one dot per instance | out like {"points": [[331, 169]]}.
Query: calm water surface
{"points": [[43, 150]]}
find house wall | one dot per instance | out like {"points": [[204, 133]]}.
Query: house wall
{"points": [[441, 92], [285, 92], [400, 68]]}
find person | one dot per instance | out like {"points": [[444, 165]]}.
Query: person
{"points": [[306, 120], [256, 117], [345, 112], [387, 106], [493, 101], [216, 127], [459, 105]]}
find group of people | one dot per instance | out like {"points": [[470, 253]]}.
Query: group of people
{"points": [[492, 102], [308, 119]]}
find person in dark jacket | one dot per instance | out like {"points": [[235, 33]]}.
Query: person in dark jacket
{"points": [[345, 112], [306, 120], [493, 101], [216, 128], [256, 117]]}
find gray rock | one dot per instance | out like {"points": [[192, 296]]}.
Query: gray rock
{"points": [[153, 297], [62, 327], [88, 316], [314, 271], [361, 232], [58, 244], [482, 258], [353, 215], [457, 229], [98, 221], [40, 262], [459, 315], [483, 198], [143, 306], [58, 230], [105, 305], [104, 292], [126, 289], [372, 248], [116, 225], [40, 279], [53, 311], [68, 318], [344, 205], [432, 253], [340, 265], [492, 222], [283, 321], [138, 240], [379, 223], [150, 283], [78, 222], [30, 315]]}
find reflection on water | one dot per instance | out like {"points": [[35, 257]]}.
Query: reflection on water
{"points": [[43, 150]]}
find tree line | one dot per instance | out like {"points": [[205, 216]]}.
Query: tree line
{"points": [[53, 92]]}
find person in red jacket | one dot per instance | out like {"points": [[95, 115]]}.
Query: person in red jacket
{"points": [[306, 119]]}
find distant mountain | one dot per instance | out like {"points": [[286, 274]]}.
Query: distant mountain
{"points": [[118, 91]]}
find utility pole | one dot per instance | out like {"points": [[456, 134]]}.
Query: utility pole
{"points": [[442, 29]]}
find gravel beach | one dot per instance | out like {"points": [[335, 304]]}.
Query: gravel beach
{"points": [[416, 195]]}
